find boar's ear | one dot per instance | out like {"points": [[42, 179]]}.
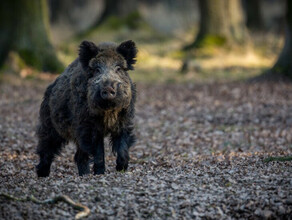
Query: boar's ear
{"points": [[87, 50], [129, 51]]}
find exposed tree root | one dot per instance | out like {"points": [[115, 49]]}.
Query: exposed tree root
{"points": [[84, 210]]}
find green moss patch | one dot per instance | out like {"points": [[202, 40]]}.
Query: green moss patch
{"points": [[40, 62], [30, 58], [132, 21], [210, 41]]}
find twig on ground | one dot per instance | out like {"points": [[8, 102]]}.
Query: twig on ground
{"points": [[281, 159], [84, 210]]}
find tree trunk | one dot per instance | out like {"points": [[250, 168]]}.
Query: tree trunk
{"points": [[221, 23], [118, 8], [284, 63], [29, 33], [254, 17], [6, 34]]}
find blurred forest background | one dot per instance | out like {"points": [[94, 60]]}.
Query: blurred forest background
{"points": [[213, 114], [178, 40]]}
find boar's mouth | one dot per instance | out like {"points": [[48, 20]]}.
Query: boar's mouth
{"points": [[100, 105], [107, 105]]}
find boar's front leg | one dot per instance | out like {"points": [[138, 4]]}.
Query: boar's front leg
{"points": [[98, 154], [121, 143], [82, 160], [84, 149], [89, 144]]}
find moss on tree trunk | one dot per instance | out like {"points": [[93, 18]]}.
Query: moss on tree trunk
{"points": [[221, 23], [122, 10], [29, 33]]}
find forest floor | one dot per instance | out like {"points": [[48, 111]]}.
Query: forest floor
{"points": [[203, 150]]}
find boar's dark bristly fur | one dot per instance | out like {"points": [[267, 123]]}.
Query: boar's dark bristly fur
{"points": [[94, 97]]}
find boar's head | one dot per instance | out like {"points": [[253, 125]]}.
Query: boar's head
{"points": [[109, 86]]}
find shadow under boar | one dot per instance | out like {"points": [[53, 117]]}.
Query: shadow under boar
{"points": [[94, 97]]}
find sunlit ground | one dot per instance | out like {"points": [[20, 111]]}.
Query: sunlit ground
{"points": [[161, 58]]}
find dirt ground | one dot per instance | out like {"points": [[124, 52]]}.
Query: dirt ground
{"points": [[201, 153]]}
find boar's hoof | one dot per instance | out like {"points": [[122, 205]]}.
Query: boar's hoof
{"points": [[42, 171]]}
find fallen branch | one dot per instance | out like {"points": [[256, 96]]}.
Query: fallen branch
{"points": [[280, 159], [84, 210]]}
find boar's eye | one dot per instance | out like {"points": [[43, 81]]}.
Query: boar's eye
{"points": [[118, 68], [93, 72], [97, 71]]}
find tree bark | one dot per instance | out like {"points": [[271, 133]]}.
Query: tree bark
{"points": [[29, 34], [221, 23], [284, 62]]}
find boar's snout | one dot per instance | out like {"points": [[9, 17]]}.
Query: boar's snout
{"points": [[108, 93]]}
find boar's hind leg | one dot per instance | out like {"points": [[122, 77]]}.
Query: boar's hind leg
{"points": [[49, 146], [82, 160], [121, 144]]}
